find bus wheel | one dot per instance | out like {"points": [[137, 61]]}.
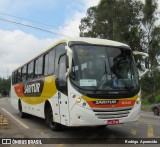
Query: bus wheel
{"points": [[49, 120], [21, 113]]}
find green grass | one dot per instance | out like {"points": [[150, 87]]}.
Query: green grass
{"points": [[158, 98], [147, 103], [146, 107]]}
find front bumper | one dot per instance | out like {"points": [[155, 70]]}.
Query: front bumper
{"points": [[80, 116]]}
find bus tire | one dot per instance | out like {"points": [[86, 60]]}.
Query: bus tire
{"points": [[21, 113], [49, 120]]}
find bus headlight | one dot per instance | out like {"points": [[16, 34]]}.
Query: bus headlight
{"points": [[78, 100]]}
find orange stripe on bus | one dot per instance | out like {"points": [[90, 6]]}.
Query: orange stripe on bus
{"points": [[19, 89], [121, 103]]}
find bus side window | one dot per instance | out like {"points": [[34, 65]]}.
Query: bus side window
{"points": [[39, 67], [36, 68], [15, 77], [46, 66], [19, 78], [62, 82], [30, 70], [24, 68], [51, 61], [60, 50]]}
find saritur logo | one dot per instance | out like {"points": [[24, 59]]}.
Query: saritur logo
{"points": [[104, 102], [32, 88]]}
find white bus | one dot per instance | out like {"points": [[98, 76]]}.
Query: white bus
{"points": [[79, 82]]}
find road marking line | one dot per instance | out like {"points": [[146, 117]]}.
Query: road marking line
{"points": [[17, 120], [150, 130], [60, 145], [133, 131]]}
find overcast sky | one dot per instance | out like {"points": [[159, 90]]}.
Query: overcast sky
{"points": [[18, 44]]}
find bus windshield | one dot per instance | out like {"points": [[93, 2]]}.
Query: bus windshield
{"points": [[98, 68]]}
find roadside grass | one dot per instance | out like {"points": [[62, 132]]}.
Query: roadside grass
{"points": [[146, 106], [150, 99]]}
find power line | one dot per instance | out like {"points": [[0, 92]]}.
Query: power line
{"points": [[36, 22], [37, 28]]}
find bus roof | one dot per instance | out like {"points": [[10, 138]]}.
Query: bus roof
{"points": [[98, 41], [94, 41]]}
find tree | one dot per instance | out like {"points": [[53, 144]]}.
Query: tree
{"points": [[152, 32], [118, 20], [131, 22], [5, 85], [152, 36]]}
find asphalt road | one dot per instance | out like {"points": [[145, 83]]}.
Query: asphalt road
{"points": [[148, 126]]}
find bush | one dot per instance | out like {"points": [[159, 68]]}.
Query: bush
{"points": [[145, 102], [158, 98], [149, 99]]}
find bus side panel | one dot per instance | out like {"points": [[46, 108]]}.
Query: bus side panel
{"points": [[36, 110], [14, 97], [54, 102]]}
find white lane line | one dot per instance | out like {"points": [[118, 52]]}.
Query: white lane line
{"points": [[17, 120]]}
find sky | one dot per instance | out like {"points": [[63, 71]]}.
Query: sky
{"points": [[19, 44]]}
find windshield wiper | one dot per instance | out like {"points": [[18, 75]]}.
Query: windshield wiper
{"points": [[107, 72], [101, 81]]}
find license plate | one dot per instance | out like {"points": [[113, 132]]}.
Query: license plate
{"points": [[112, 122]]}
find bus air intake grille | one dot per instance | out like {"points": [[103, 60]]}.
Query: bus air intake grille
{"points": [[112, 113]]}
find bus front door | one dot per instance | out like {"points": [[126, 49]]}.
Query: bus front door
{"points": [[63, 91]]}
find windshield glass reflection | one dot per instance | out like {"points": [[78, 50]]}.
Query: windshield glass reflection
{"points": [[103, 68]]}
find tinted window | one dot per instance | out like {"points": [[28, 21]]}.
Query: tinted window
{"points": [[60, 50], [39, 67], [30, 71], [19, 79], [62, 84], [62, 68], [46, 58], [24, 73], [51, 62], [14, 77], [103, 68], [36, 69]]}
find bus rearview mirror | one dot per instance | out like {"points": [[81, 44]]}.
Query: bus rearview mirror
{"points": [[69, 60], [145, 67]]}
